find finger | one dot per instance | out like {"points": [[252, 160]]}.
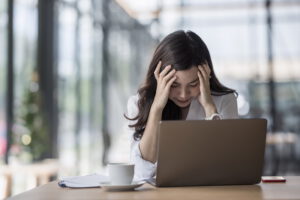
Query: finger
{"points": [[200, 81], [208, 70], [169, 75], [200, 78], [165, 71], [202, 68], [171, 81], [157, 69], [203, 73]]}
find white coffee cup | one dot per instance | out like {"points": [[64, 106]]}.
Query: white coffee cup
{"points": [[120, 173]]}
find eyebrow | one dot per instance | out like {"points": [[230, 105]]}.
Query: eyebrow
{"points": [[189, 82], [197, 79]]}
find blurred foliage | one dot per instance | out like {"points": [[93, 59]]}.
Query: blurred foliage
{"points": [[32, 129]]}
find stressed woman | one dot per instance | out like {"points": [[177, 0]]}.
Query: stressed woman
{"points": [[180, 85]]}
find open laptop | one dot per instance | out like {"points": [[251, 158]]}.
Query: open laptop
{"points": [[210, 152]]}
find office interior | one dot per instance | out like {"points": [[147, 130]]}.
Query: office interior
{"points": [[67, 68]]}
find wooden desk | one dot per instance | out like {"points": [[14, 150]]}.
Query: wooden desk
{"points": [[42, 171], [288, 190]]}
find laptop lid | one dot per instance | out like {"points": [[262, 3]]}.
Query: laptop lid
{"points": [[211, 152]]}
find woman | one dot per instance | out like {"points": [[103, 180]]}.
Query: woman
{"points": [[180, 85]]}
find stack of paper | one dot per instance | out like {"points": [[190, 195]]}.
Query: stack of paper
{"points": [[88, 181]]}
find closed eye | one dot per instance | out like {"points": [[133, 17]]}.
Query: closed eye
{"points": [[194, 84]]}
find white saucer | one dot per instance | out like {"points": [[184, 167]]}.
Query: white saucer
{"points": [[109, 186]]}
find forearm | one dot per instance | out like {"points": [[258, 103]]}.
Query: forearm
{"points": [[210, 109], [148, 143]]}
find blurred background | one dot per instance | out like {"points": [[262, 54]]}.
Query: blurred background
{"points": [[67, 68]]}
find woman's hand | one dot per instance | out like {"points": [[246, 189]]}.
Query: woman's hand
{"points": [[164, 81], [205, 98]]}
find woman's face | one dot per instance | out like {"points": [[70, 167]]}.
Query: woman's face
{"points": [[185, 87]]}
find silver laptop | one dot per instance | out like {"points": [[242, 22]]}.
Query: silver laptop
{"points": [[210, 152]]}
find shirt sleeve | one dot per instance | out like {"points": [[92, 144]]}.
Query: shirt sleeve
{"points": [[143, 169], [228, 108]]}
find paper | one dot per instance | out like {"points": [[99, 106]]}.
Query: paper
{"points": [[88, 181]]}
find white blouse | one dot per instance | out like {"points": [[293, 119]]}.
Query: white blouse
{"points": [[226, 106]]}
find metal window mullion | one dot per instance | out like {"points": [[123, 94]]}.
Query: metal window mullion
{"points": [[10, 79]]}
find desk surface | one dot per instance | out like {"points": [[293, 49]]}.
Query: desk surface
{"points": [[288, 190]]}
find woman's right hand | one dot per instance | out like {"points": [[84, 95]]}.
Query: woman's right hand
{"points": [[164, 81]]}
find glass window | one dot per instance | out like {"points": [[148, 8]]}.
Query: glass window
{"points": [[25, 105], [79, 71], [66, 87], [81, 86], [3, 72]]}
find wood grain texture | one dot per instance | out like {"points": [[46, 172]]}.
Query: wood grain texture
{"points": [[288, 190]]}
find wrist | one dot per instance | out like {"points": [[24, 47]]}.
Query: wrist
{"points": [[156, 110], [210, 110]]}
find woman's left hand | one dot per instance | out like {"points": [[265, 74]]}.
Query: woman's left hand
{"points": [[205, 98]]}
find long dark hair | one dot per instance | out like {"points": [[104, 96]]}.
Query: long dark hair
{"points": [[182, 50]]}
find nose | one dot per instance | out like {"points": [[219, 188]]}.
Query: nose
{"points": [[183, 94]]}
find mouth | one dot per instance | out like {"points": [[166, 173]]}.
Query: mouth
{"points": [[183, 102]]}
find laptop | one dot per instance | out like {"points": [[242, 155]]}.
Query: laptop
{"points": [[210, 152]]}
